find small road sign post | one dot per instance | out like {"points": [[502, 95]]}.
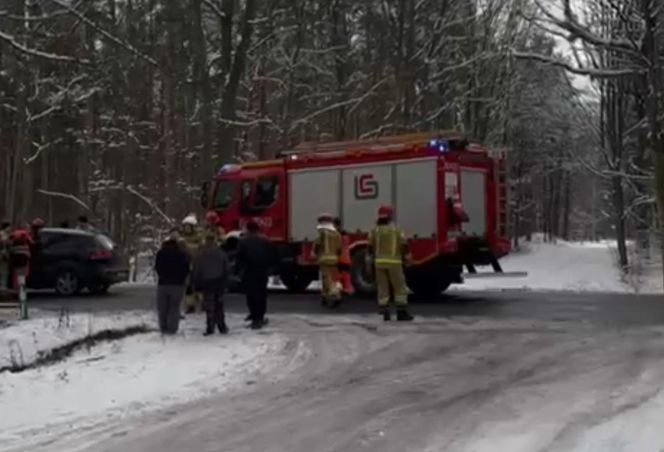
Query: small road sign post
{"points": [[22, 294]]}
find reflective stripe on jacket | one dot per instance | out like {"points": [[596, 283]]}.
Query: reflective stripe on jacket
{"points": [[387, 242], [191, 242], [328, 246], [218, 233]]}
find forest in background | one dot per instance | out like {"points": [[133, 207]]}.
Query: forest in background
{"points": [[119, 109]]}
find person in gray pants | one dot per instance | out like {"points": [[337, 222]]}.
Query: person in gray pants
{"points": [[210, 277], [172, 268]]}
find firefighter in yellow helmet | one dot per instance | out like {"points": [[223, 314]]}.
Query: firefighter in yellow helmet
{"points": [[327, 249], [389, 249], [190, 240]]}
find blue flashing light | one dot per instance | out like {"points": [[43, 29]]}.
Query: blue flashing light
{"points": [[227, 168], [441, 146]]}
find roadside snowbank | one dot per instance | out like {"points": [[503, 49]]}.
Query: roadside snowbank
{"points": [[22, 342], [566, 266], [124, 377]]}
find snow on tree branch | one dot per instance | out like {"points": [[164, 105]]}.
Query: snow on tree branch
{"points": [[149, 202], [215, 8], [38, 53], [107, 34], [63, 195], [598, 73], [578, 31]]}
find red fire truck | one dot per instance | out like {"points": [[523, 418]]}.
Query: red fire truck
{"points": [[449, 196]]}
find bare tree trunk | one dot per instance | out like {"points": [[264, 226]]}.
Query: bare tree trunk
{"points": [[229, 97], [567, 206]]}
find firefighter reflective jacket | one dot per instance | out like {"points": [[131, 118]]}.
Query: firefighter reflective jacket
{"points": [[328, 246], [218, 233], [20, 249], [388, 243], [191, 241]]}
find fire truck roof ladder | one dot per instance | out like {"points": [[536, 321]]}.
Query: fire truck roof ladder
{"points": [[395, 142]]}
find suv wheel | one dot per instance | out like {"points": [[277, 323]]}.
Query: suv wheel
{"points": [[66, 283]]}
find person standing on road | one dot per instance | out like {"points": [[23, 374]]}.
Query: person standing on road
{"points": [[213, 226], [388, 247], [344, 260], [84, 224], [20, 252], [172, 267], [190, 240], [35, 227], [5, 246], [327, 249], [210, 277], [255, 258]]}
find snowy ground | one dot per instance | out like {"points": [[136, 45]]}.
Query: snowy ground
{"points": [[129, 376], [569, 266], [453, 385], [22, 342]]}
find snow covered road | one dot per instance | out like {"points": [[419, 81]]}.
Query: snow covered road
{"points": [[110, 380], [349, 383]]}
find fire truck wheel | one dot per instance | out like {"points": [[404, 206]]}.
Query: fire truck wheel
{"points": [[361, 273], [427, 286], [295, 281]]}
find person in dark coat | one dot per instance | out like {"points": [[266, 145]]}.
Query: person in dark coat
{"points": [[255, 257], [172, 267], [210, 276]]}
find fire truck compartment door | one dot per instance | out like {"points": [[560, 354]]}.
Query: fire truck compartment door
{"points": [[416, 195], [312, 193], [473, 200], [365, 188]]}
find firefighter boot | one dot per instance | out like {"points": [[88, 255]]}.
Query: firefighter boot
{"points": [[336, 302], [387, 316], [209, 330], [403, 315]]}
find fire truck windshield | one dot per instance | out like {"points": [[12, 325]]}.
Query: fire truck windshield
{"points": [[224, 194]]}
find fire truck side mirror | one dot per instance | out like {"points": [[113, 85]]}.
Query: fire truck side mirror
{"points": [[205, 196]]}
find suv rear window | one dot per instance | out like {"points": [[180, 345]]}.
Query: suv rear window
{"points": [[105, 242]]}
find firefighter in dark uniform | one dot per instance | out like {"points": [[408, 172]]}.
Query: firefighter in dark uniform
{"points": [[388, 247], [256, 256], [327, 249]]}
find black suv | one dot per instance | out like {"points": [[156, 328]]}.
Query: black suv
{"points": [[69, 260]]}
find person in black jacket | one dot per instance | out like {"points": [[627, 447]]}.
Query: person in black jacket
{"points": [[172, 267], [255, 257]]}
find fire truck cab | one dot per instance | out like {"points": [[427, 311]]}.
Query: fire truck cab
{"points": [[449, 196]]}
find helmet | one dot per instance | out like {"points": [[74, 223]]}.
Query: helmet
{"points": [[385, 212], [211, 217], [190, 220], [38, 223], [325, 218]]}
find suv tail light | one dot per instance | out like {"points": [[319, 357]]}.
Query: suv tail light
{"points": [[101, 255]]}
